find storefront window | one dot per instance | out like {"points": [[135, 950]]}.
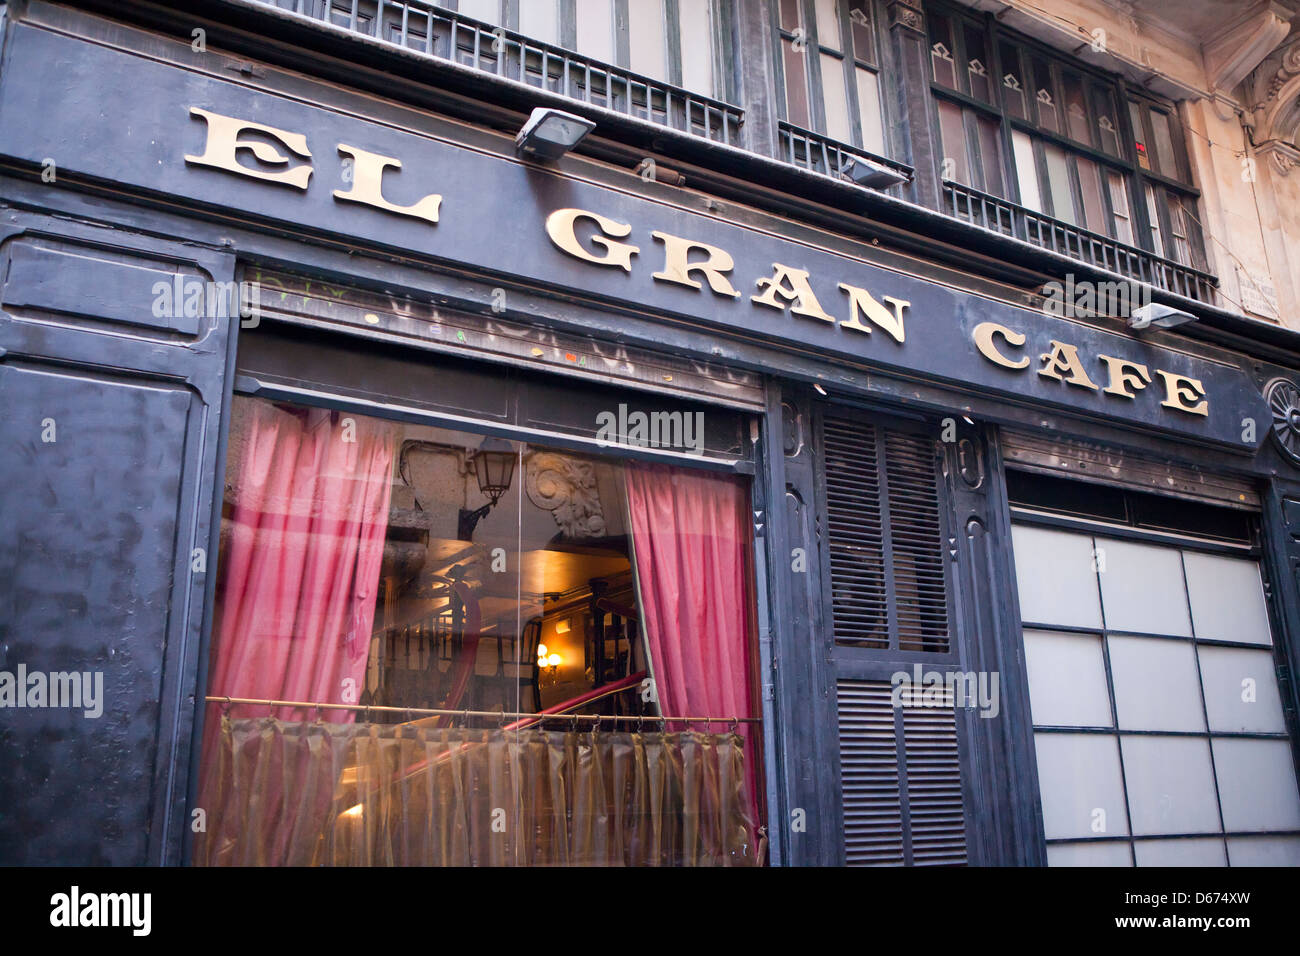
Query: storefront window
{"points": [[1158, 723], [449, 588]]}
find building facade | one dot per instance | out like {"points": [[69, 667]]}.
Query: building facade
{"points": [[729, 432]]}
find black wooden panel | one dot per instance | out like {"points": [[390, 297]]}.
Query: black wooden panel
{"points": [[89, 520]]}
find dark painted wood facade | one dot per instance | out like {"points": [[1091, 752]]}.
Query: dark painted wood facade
{"points": [[107, 529]]}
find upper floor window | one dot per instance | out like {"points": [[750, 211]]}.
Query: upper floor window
{"points": [[1029, 125], [831, 61], [673, 41]]}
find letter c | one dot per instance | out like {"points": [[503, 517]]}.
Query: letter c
{"points": [[984, 341]]}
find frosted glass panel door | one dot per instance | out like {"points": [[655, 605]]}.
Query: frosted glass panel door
{"points": [[1158, 721]]}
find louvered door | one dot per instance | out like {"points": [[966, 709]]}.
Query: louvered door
{"points": [[887, 565]]}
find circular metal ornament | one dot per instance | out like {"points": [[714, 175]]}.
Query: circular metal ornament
{"points": [[1283, 397]]}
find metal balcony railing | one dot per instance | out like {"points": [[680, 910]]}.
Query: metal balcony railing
{"points": [[813, 151], [1010, 219], [433, 31]]}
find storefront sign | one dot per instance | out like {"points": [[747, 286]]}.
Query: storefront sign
{"points": [[249, 152]]}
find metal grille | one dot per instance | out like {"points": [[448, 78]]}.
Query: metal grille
{"points": [[884, 597], [900, 779], [430, 30]]}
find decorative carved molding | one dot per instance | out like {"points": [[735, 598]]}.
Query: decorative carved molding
{"points": [[1274, 91], [1234, 53], [905, 15], [566, 487], [1283, 397], [1282, 156]]}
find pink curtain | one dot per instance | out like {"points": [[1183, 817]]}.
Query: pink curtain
{"points": [[301, 570], [692, 544]]}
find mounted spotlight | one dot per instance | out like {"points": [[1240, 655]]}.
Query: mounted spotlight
{"points": [[494, 466], [549, 134], [1155, 315], [873, 175]]}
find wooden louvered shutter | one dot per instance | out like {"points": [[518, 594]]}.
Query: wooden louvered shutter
{"points": [[900, 767]]}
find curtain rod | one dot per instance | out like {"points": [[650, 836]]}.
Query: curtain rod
{"points": [[315, 705]]}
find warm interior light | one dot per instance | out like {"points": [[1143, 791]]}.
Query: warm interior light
{"points": [[541, 650], [563, 625], [553, 660], [354, 812]]}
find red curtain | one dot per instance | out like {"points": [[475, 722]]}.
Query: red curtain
{"points": [[301, 569], [692, 544]]}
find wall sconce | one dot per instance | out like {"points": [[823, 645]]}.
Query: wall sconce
{"points": [[546, 662], [494, 466], [549, 134]]}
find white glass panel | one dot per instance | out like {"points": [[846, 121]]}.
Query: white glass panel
{"points": [[1257, 785], [828, 25], [1080, 782], [1241, 690], [648, 38], [1142, 588], [596, 28], [1067, 680], [1119, 203], [1153, 217], [1056, 579], [1197, 852], [1227, 599], [1170, 785], [1264, 851], [836, 99], [1156, 684], [1089, 854], [1026, 171], [488, 11], [873, 130], [539, 19], [1058, 184], [697, 46]]}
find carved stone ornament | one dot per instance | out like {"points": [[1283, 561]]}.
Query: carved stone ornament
{"points": [[1283, 397], [566, 487], [900, 14], [1274, 117]]}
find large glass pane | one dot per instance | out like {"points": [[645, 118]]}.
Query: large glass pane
{"points": [[1013, 82], [1264, 851], [1076, 108], [1026, 171], [869, 110], [942, 51], [648, 38], [953, 132], [1094, 208], [697, 45], [1142, 588], [1153, 220], [1058, 183], [1227, 598], [1056, 576], [1092, 853], [1257, 784], [794, 63], [1067, 680], [595, 21], [1241, 693], [861, 26], [402, 602], [489, 11], [990, 141], [791, 15], [1049, 117], [1120, 206], [1079, 776], [1135, 114], [539, 19], [1170, 785], [1167, 159], [1103, 105], [1193, 852], [978, 63], [828, 24], [835, 99], [1156, 684]]}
